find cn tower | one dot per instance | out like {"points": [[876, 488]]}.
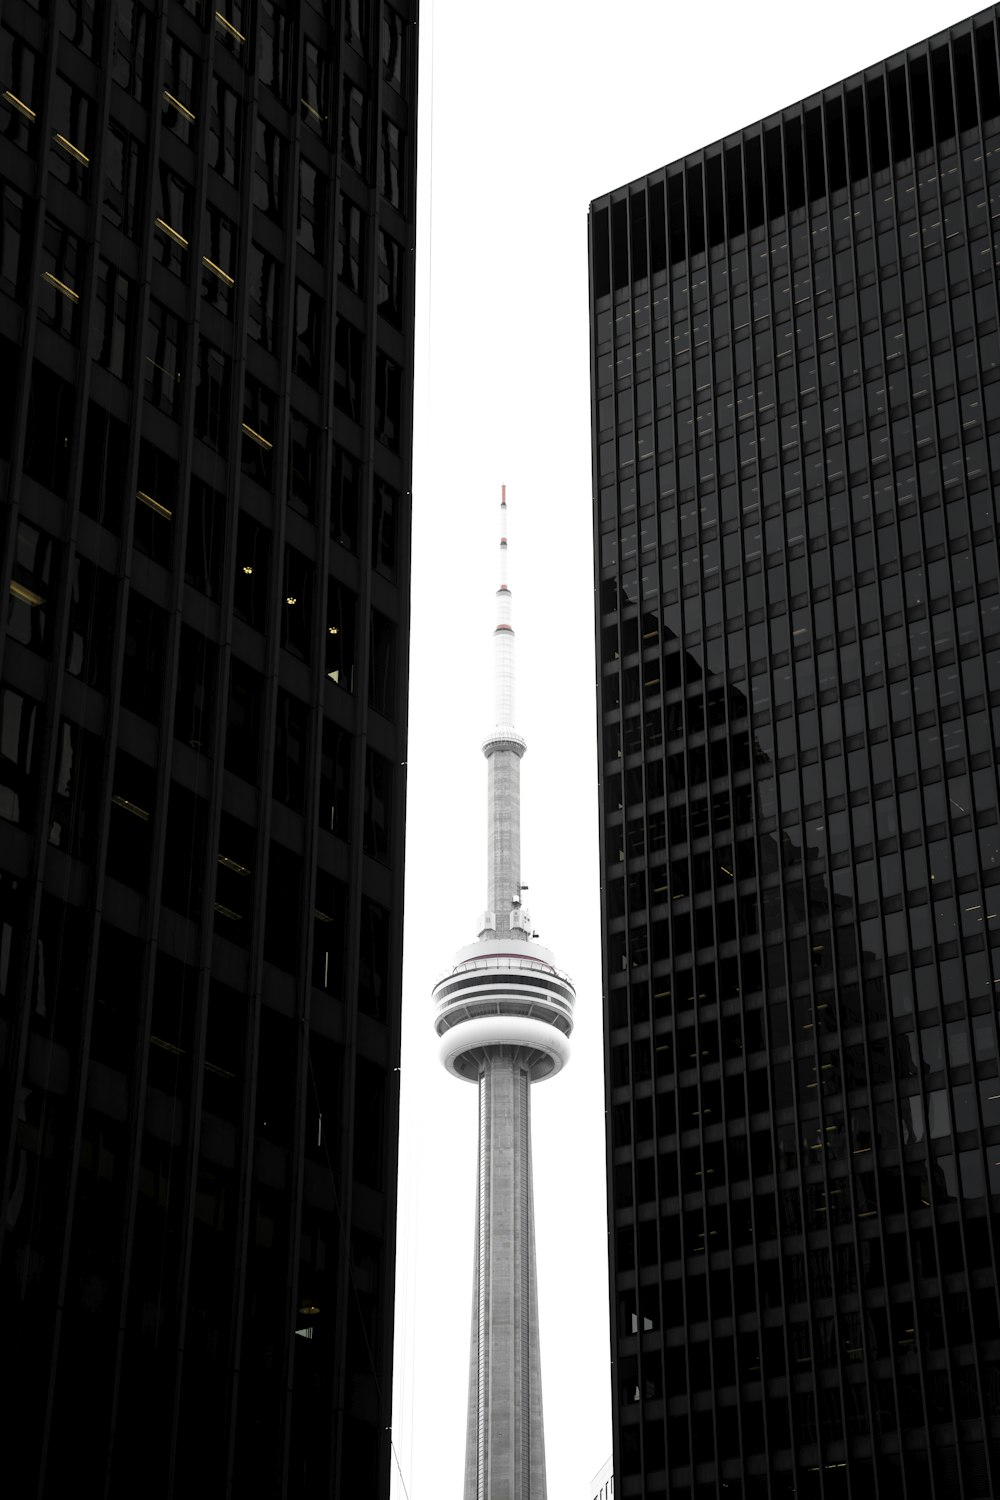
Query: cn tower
{"points": [[504, 1015]]}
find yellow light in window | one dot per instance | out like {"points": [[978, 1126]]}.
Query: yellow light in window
{"points": [[228, 26], [161, 510], [157, 1041], [26, 596], [232, 864], [247, 569], [220, 1072], [223, 276], [181, 109], [332, 629], [19, 104], [171, 233], [314, 112], [257, 437], [71, 150], [60, 286], [170, 374], [132, 807], [291, 599]]}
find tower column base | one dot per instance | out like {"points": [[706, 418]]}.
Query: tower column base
{"points": [[505, 1446]]}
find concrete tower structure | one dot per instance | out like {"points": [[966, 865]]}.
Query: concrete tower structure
{"points": [[504, 1015]]}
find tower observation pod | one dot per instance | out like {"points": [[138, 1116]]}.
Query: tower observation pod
{"points": [[504, 1015]]}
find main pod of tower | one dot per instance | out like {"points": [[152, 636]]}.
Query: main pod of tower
{"points": [[504, 1015]]}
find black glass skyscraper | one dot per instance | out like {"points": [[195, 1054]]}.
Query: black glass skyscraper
{"points": [[206, 272], [796, 433]]}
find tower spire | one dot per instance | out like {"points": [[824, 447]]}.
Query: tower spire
{"points": [[503, 748], [503, 634]]}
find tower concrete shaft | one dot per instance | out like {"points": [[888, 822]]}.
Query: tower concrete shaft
{"points": [[505, 1444], [504, 1015]]}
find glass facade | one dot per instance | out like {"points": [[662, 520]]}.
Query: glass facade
{"points": [[206, 312], [796, 447]]}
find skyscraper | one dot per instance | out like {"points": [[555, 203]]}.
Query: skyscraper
{"points": [[796, 436], [504, 1015], [206, 311]]}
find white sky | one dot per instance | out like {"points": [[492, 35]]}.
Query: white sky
{"points": [[528, 110]]}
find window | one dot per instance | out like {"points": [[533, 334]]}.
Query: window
{"points": [[264, 299], [232, 21], [393, 43], [130, 832], [48, 434], [390, 279], [211, 398], [30, 601], [243, 721], [62, 261], [164, 359], [381, 664], [114, 309], [347, 361], [315, 88], [21, 90], [93, 594], [205, 538], [72, 113], [357, 25], [253, 550], [105, 463], [259, 419], [225, 133], [173, 220], [76, 794], [308, 351], [296, 606], [329, 933], [341, 607], [354, 129], [388, 400], [335, 779], [194, 708], [345, 499], [373, 960], [123, 179], [184, 850], [269, 173], [282, 917], [132, 48], [234, 884], [385, 511], [220, 260], [351, 246], [303, 466], [378, 805], [180, 90], [290, 751], [145, 657], [276, 40], [20, 744], [312, 209], [390, 163], [156, 497], [15, 243]]}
